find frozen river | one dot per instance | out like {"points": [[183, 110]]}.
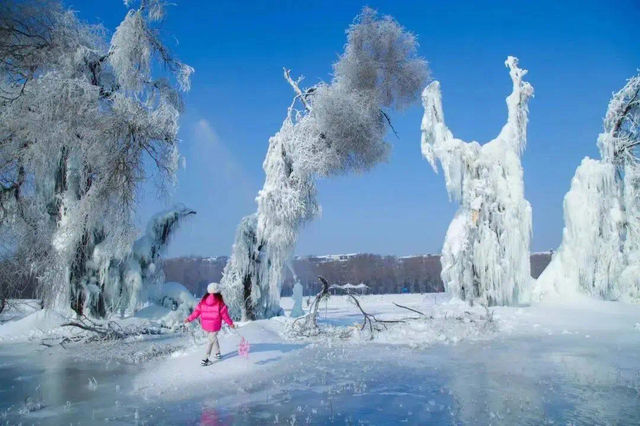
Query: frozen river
{"points": [[560, 379]]}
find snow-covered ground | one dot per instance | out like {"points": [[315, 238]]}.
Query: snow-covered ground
{"points": [[573, 363]]}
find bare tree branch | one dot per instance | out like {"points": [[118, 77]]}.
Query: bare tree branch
{"points": [[296, 88], [410, 309]]}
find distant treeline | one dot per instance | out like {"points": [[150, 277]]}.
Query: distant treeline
{"points": [[383, 274]]}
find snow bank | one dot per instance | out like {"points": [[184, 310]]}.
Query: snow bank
{"points": [[39, 324], [19, 308]]}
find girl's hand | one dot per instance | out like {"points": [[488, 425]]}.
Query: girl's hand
{"points": [[234, 326], [186, 321]]}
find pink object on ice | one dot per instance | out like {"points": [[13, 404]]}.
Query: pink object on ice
{"points": [[243, 348]]}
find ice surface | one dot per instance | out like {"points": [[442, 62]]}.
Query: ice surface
{"points": [[564, 363]]}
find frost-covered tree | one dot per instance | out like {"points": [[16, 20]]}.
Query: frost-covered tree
{"points": [[600, 250], [330, 129], [78, 115], [485, 257]]}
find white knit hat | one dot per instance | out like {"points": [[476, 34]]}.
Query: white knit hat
{"points": [[213, 288]]}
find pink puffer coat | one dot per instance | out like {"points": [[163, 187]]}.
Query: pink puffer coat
{"points": [[211, 311]]}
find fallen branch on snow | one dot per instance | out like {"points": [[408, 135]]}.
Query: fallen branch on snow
{"points": [[413, 310], [307, 325], [93, 331], [370, 319]]}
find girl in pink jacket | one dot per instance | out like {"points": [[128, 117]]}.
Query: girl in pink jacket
{"points": [[211, 311]]}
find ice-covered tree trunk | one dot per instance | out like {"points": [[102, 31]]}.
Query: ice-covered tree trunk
{"points": [[485, 257], [600, 254], [240, 275], [339, 129], [628, 285]]}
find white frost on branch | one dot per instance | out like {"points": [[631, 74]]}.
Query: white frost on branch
{"points": [[340, 129], [485, 257], [600, 250]]}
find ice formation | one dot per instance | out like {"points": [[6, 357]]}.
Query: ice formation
{"points": [[297, 310], [485, 257], [118, 283], [340, 129], [173, 296], [599, 254]]}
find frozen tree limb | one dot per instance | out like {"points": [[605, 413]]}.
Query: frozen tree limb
{"points": [[307, 325], [104, 330], [410, 309], [296, 88], [515, 130], [370, 320], [108, 332]]}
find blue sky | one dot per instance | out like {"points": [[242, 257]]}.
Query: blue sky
{"points": [[577, 54]]}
